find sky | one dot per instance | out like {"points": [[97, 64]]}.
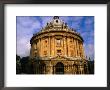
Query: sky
{"points": [[26, 26]]}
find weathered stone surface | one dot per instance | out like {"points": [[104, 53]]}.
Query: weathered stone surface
{"points": [[60, 50]]}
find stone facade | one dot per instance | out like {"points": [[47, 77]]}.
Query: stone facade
{"points": [[58, 49]]}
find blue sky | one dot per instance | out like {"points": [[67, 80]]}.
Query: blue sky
{"points": [[28, 25]]}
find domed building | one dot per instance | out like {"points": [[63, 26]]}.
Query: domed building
{"points": [[58, 49]]}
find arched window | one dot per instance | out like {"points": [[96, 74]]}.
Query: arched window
{"points": [[45, 53], [56, 21], [45, 41], [71, 41], [75, 69], [85, 69], [42, 68], [59, 68]]}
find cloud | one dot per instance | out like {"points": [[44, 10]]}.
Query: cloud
{"points": [[65, 18], [26, 27], [45, 19], [76, 22], [29, 25], [89, 50], [89, 20], [23, 47]]}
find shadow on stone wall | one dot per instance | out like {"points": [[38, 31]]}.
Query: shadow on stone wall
{"points": [[25, 65]]}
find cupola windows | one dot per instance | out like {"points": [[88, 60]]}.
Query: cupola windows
{"points": [[56, 21]]}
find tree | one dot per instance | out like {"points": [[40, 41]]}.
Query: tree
{"points": [[89, 59], [91, 67], [26, 65], [18, 65]]}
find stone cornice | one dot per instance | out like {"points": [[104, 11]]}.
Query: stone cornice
{"points": [[49, 33]]}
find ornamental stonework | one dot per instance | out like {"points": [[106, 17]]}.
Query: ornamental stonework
{"points": [[57, 49]]}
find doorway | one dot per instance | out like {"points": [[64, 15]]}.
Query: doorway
{"points": [[59, 68]]}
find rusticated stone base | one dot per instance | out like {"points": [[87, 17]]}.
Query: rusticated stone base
{"points": [[60, 66]]}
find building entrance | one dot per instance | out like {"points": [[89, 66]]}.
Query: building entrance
{"points": [[59, 68]]}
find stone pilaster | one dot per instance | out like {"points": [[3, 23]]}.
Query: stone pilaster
{"points": [[62, 46], [52, 46], [55, 53], [79, 49], [68, 45], [48, 69], [75, 48], [81, 69], [65, 49], [41, 52], [82, 50], [51, 69], [39, 46], [49, 47]]}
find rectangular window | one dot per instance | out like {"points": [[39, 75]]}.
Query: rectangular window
{"points": [[45, 53], [58, 42], [58, 52], [71, 53]]}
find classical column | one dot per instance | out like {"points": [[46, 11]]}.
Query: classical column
{"points": [[41, 51], [48, 69], [65, 49], [39, 46], [55, 47], [79, 49], [49, 49], [68, 45], [52, 46], [75, 48], [51, 68], [81, 69]]}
